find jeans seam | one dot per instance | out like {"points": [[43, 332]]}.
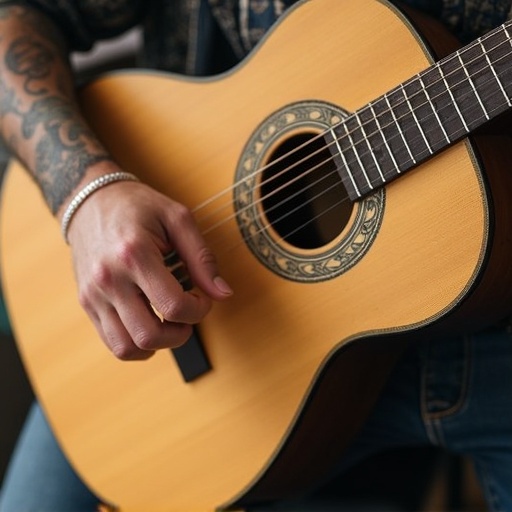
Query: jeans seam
{"points": [[427, 422], [432, 420], [461, 401]]}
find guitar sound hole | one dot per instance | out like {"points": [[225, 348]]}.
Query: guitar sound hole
{"points": [[302, 193]]}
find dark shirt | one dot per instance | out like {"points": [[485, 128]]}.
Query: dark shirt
{"points": [[178, 34]]}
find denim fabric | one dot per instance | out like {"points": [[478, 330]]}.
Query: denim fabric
{"points": [[39, 478], [454, 393]]}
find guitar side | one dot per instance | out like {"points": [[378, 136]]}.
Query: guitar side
{"points": [[139, 435]]}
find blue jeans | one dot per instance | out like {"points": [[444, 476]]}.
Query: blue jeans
{"points": [[453, 393], [39, 477]]}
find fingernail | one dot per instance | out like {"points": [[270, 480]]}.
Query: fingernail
{"points": [[222, 286]]}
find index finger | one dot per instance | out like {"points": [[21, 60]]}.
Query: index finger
{"points": [[169, 291]]}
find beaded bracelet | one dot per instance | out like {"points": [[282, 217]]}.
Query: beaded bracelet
{"points": [[83, 194]]}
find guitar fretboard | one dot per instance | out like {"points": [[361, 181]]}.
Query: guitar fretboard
{"points": [[420, 117]]}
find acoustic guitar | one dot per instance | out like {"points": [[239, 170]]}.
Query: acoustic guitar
{"points": [[334, 175]]}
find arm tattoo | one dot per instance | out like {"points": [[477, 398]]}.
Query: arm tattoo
{"points": [[49, 119], [62, 157], [32, 59], [8, 100]]}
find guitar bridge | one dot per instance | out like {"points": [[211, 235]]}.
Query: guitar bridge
{"points": [[191, 357]]}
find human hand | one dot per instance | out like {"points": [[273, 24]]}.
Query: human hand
{"points": [[119, 237]]}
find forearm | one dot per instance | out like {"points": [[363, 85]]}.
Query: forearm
{"points": [[121, 233], [39, 116]]}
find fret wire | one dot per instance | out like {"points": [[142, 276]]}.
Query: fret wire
{"points": [[395, 164], [426, 130], [354, 149], [377, 141], [498, 109], [416, 119], [395, 120], [370, 149], [491, 66], [470, 80], [454, 103], [377, 118], [461, 117], [452, 98], [436, 115], [496, 77], [479, 75], [430, 70], [345, 163]]}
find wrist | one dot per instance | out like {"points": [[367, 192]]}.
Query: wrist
{"points": [[88, 190]]}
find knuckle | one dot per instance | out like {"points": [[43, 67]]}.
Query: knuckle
{"points": [[121, 347], [181, 213], [172, 311], [102, 278], [207, 257], [180, 310], [84, 299], [145, 341], [104, 273], [130, 352], [127, 252], [124, 352], [90, 289], [152, 341]]}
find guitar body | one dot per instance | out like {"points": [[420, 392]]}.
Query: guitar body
{"points": [[301, 351]]}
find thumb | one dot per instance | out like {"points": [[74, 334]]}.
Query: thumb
{"points": [[201, 271], [199, 260]]}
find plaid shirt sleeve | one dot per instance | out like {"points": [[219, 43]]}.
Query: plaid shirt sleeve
{"points": [[467, 19], [87, 21]]}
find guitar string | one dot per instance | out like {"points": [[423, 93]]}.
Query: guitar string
{"points": [[288, 213], [229, 189], [423, 74], [295, 164], [262, 229], [461, 66], [275, 191]]}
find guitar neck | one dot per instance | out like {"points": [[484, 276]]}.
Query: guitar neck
{"points": [[425, 114]]}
